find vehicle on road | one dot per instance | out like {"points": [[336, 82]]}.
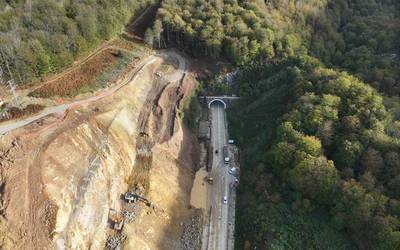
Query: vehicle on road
{"points": [[216, 151], [209, 179], [225, 200], [226, 159], [230, 141], [232, 170]]}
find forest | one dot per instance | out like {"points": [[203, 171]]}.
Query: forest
{"points": [[38, 37], [363, 38], [320, 150], [356, 35]]}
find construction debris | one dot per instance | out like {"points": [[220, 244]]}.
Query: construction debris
{"points": [[129, 216], [115, 242], [192, 231]]}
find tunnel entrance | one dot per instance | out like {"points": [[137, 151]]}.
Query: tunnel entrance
{"points": [[217, 100]]}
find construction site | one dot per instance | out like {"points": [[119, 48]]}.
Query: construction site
{"points": [[111, 169], [99, 156]]}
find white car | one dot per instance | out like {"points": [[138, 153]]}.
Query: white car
{"points": [[232, 170], [230, 141], [225, 200]]}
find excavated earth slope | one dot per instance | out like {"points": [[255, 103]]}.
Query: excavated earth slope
{"points": [[60, 177]]}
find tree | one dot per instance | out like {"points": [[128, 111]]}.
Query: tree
{"points": [[157, 31], [348, 153], [372, 161], [149, 37], [315, 177]]}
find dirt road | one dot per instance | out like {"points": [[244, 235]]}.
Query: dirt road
{"points": [[61, 109]]}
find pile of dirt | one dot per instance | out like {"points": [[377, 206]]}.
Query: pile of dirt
{"points": [[79, 76], [8, 152], [16, 113]]}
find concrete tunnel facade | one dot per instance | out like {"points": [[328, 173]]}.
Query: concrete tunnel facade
{"points": [[217, 100]]}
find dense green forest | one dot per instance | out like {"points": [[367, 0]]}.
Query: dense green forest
{"points": [[362, 37], [241, 31], [42, 36], [357, 35], [320, 151], [321, 141]]}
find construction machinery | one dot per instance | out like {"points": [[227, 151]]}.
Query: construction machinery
{"points": [[130, 197], [117, 221]]}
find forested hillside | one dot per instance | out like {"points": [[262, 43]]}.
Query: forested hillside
{"points": [[42, 36], [362, 37], [315, 141], [321, 153], [357, 35], [241, 31]]}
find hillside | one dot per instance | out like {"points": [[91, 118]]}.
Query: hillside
{"points": [[362, 38], [62, 176], [96, 114], [39, 37], [321, 151]]}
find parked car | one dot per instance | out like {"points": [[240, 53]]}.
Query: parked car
{"points": [[225, 200]]}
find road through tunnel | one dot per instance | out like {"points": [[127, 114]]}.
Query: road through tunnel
{"points": [[217, 101]]}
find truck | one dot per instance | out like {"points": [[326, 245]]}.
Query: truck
{"points": [[226, 155], [117, 221]]}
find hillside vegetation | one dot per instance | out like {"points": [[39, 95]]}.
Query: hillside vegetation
{"points": [[241, 31], [363, 38], [38, 37], [321, 153], [357, 35], [316, 140]]}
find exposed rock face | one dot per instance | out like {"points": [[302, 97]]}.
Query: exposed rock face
{"points": [[65, 175]]}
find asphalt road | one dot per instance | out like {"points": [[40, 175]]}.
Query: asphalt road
{"points": [[61, 109], [218, 235]]}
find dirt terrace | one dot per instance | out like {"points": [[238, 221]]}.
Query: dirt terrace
{"points": [[60, 177]]}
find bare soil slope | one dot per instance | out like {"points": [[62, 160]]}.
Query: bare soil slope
{"points": [[59, 178]]}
